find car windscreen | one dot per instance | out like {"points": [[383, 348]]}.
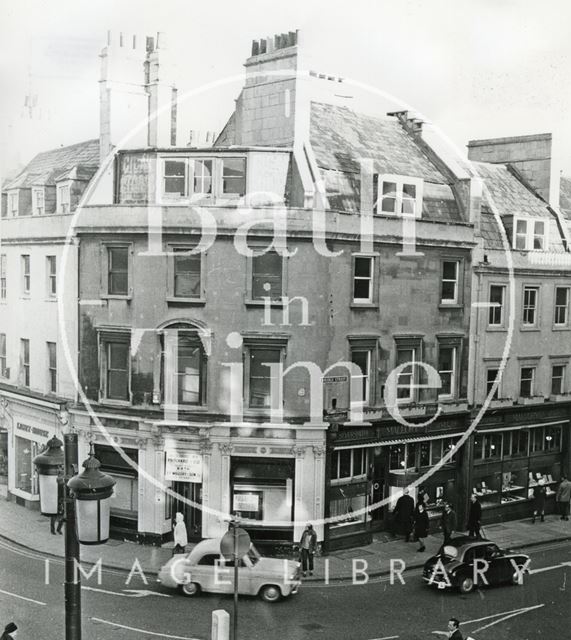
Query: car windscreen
{"points": [[449, 551]]}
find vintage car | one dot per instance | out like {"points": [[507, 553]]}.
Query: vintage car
{"points": [[465, 562], [205, 569]]}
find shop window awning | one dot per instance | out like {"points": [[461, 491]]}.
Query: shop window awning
{"points": [[403, 440]]}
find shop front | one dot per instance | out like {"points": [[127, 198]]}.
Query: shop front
{"points": [[263, 496], [370, 465], [513, 452], [26, 424]]}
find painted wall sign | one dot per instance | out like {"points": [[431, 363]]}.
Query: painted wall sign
{"points": [[246, 502], [20, 426], [183, 466]]}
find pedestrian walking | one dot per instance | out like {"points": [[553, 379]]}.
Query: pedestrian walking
{"points": [[475, 517], [448, 522], [403, 515], [59, 518], [423, 497], [180, 534], [421, 525], [307, 546], [539, 493], [10, 631], [454, 629], [563, 497]]}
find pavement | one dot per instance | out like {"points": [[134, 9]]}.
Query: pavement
{"points": [[31, 530]]}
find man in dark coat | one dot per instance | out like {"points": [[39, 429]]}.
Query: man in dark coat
{"points": [[454, 629], [448, 522], [563, 497], [474, 517], [421, 525], [10, 631], [403, 515], [539, 493]]}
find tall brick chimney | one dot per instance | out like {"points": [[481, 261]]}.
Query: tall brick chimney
{"points": [[266, 108], [131, 90], [530, 156]]}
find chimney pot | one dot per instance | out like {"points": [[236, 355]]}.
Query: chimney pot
{"points": [[263, 45], [255, 47], [134, 42], [121, 39]]}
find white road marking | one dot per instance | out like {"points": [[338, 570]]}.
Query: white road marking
{"points": [[513, 615], [555, 566], [129, 593], [150, 633], [387, 638], [14, 595]]}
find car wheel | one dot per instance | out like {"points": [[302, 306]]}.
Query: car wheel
{"points": [[190, 589], [466, 584], [270, 593]]}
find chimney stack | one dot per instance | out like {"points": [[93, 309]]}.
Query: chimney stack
{"points": [[530, 156], [131, 91], [266, 108]]}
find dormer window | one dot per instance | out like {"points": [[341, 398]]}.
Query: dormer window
{"points": [[398, 196], [186, 177], [38, 201], [530, 235], [63, 198], [13, 198]]}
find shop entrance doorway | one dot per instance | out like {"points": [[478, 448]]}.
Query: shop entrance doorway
{"points": [[192, 515]]}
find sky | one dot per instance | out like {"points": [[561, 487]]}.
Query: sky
{"points": [[473, 68]]}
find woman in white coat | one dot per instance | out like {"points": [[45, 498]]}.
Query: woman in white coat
{"points": [[180, 535]]}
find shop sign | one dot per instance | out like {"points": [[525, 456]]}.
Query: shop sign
{"points": [[26, 428], [335, 379], [183, 466], [246, 502]]}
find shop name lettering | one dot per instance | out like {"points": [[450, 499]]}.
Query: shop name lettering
{"points": [[35, 430], [360, 572]]}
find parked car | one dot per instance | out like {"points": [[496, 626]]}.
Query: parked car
{"points": [[205, 569], [455, 565]]}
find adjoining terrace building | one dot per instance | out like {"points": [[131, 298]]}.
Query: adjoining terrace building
{"points": [[35, 381], [524, 435]]}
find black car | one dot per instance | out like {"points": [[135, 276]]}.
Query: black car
{"points": [[465, 562]]}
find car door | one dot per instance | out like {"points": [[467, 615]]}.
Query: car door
{"points": [[244, 576], [500, 569], [204, 572]]}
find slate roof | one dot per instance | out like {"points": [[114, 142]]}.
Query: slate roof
{"points": [[508, 194], [339, 137], [565, 196], [48, 166]]}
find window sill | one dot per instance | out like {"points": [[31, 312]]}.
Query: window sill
{"points": [[25, 296], [262, 303], [186, 301], [115, 403], [450, 305], [524, 327], [557, 327], [185, 408], [496, 328], [364, 305], [50, 299], [109, 296]]}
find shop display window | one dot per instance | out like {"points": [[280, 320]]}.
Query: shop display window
{"points": [[347, 506], [26, 479], [513, 485], [551, 476], [487, 486]]}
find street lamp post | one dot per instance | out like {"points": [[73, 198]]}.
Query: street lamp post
{"points": [[91, 522]]}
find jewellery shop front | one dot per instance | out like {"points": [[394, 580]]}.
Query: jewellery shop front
{"points": [[368, 466], [513, 449]]}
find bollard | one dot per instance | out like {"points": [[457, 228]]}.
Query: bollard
{"points": [[220, 625]]}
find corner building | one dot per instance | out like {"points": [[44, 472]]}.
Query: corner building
{"points": [[178, 327]]}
